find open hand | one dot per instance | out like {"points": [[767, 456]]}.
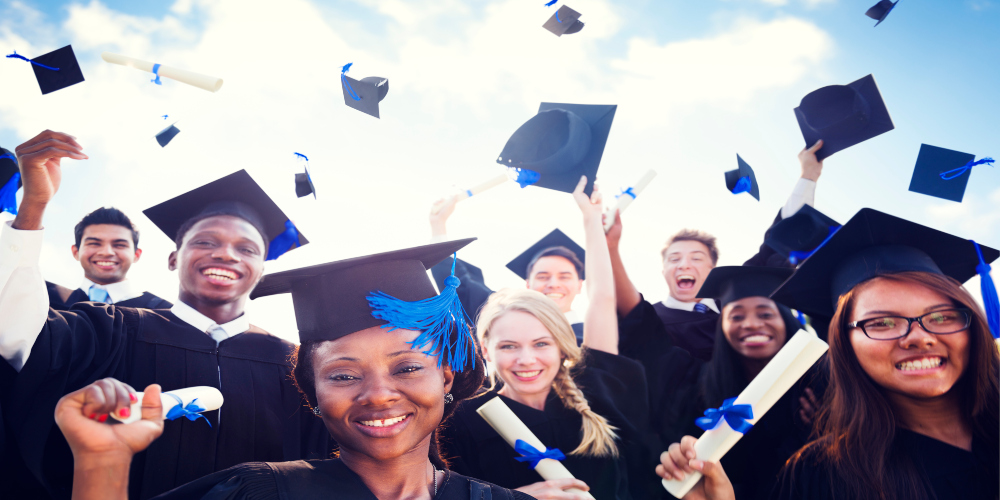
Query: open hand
{"points": [[555, 489], [440, 211]]}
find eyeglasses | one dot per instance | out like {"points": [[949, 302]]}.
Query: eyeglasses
{"points": [[896, 327]]}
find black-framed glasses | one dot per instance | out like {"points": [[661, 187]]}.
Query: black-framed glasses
{"points": [[894, 327]]}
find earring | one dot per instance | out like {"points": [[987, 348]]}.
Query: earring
{"points": [[317, 412], [448, 398]]}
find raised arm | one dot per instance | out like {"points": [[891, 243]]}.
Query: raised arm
{"points": [[626, 296], [804, 192], [600, 328]]}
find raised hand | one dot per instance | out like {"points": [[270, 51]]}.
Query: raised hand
{"points": [[592, 206], [811, 167], [555, 489], [614, 233], [680, 460], [440, 211], [39, 160]]}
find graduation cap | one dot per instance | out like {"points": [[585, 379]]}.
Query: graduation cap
{"points": [[388, 289], [56, 70], [561, 143], [871, 244], [235, 194], [943, 173], [843, 115], [880, 10], [303, 182], [798, 236], [742, 180], [730, 283], [554, 240], [565, 21], [10, 181], [166, 135], [365, 94]]}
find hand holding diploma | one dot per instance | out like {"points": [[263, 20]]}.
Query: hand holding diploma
{"points": [[468, 193], [188, 403], [626, 198], [209, 83]]}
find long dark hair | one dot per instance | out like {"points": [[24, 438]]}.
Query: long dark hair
{"points": [[857, 425], [464, 386]]}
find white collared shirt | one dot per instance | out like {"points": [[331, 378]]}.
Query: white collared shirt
{"points": [[205, 324], [673, 303], [117, 292], [804, 193]]}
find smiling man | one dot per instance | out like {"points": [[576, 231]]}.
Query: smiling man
{"points": [[222, 234], [107, 244]]}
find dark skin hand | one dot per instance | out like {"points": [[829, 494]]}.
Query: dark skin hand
{"points": [[809, 406], [39, 161]]}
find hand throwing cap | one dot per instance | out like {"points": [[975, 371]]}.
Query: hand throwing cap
{"points": [[843, 115], [235, 194], [561, 143], [729, 283], [56, 70], [939, 172], [880, 10], [742, 180], [798, 235], [872, 244], [565, 21], [552, 241]]}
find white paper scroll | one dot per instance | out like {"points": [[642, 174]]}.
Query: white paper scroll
{"points": [[505, 422], [479, 188], [209, 83], [208, 398], [624, 200], [780, 374]]}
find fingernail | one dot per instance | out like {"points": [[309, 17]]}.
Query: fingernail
{"points": [[697, 464], [92, 416], [133, 398], [124, 412], [102, 418]]}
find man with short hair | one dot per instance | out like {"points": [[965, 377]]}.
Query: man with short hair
{"points": [[106, 245]]}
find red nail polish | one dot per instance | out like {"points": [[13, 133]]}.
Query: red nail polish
{"points": [[92, 416], [133, 398], [124, 412], [102, 418]]}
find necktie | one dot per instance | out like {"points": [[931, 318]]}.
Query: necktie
{"points": [[217, 334], [98, 294], [702, 308]]}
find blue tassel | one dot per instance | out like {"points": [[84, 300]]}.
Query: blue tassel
{"points": [[989, 290], [283, 242], [550, 4], [15, 55], [156, 71], [525, 177], [346, 84], [300, 155], [957, 172], [801, 317], [742, 186], [435, 318], [8, 193], [795, 256]]}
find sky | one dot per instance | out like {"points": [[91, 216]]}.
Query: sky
{"points": [[696, 83]]}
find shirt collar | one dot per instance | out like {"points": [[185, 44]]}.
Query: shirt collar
{"points": [[117, 292], [203, 323], [673, 303], [572, 317]]}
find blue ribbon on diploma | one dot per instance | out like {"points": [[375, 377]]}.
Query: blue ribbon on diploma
{"points": [[346, 84], [795, 256], [525, 177], [283, 242], [742, 185], [533, 455], [957, 172], [191, 412], [736, 416], [8, 193], [626, 191], [156, 71], [15, 55]]}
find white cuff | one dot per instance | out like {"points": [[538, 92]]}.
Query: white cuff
{"points": [[804, 193], [20, 248]]}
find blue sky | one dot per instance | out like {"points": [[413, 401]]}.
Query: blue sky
{"points": [[696, 83]]}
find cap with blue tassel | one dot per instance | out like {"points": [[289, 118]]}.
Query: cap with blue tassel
{"points": [[10, 181]]}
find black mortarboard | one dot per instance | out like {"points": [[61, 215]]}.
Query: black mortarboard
{"points": [[365, 94], [932, 162], [801, 233], [733, 179], [8, 166], [555, 239], [729, 283], [561, 143], [843, 115], [56, 70], [304, 185], [873, 243], [166, 135], [880, 10], [8, 186], [235, 194], [331, 300], [565, 21]]}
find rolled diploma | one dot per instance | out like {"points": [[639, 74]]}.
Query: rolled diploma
{"points": [[505, 422], [777, 377], [209, 83], [208, 398], [479, 188], [624, 200]]}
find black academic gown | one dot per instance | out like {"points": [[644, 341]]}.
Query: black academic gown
{"points": [[614, 386], [317, 480], [951, 473], [62, 299], [263, 417]]}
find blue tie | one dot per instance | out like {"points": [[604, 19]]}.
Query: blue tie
{"points": [[702, 308], [98, 294]]}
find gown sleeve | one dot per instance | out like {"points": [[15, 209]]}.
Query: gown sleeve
{"points": [[248, 481], [803, 479], [472, 293], [767, 256], [641, 334]]}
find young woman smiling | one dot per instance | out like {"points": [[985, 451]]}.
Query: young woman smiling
{"points": [[588, 402]]}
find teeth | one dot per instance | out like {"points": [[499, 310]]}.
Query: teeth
{"points": [[920, 364], [555, 295], [527, 374], [384, 422], [756, 338], [104, 263], [220, 273], [685, 277]]}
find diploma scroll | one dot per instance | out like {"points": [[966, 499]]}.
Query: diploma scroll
{"points": [[626, 198], [511, 429], [209, 83], [479, 188], [780, 374], [208, 399]]}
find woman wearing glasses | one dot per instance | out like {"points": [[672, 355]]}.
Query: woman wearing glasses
{"points": [[914, 401]]}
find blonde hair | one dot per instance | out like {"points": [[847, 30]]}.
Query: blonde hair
{"points": [[597, 434]]}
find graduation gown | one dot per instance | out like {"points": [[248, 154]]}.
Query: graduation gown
{"points": [[951, 473], [62, 298], [317, 480], [263, 417], [614, 386]]}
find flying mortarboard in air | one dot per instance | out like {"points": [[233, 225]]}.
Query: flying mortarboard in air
{"points": [[843, 115], [742, 179], [559, 144], [880, 10], [365, 94], [56, 70], [799, 235], [235, 194], [555, 239], [303, 182], [565, 21], [943, 173], [10, 181], [166, 135]]}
